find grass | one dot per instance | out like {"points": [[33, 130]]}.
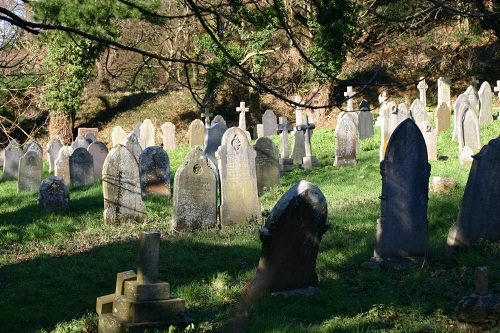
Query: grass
{"points": [[54, 266]]}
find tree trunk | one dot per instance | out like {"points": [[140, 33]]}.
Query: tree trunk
{"points": [[62, 125]]}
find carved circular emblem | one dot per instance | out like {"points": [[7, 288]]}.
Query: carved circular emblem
{"points": [[236, 143], [197, 169]]}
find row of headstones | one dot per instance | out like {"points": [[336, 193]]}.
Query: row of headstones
{"points": [[145, 135]]}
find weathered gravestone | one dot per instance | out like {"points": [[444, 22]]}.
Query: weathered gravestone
{"points": [[196, 133], [444, 92], [195, 193], [81, 167], [133, 145], [418, 111], [154, 170], [443, 116], [298, 146], [269, 123], [402, 227], [267, 167], [468, 129], [430, 137], [290, 240], [34, 146], [218, 119], [403, 113], [137, 130], [53, 146], [53, 194], [62, 164], [121, 187], [80, 142], [479, 215], [30, 171], [213, 139], [286, 163], [148, 134], [461, 102], [141, 302], [236, 163], [473, 98], [365, 121], [12, 155], [345, 142], [386, 129], [422, 89], [118, 136], [99, 152], [90, 137], [486, 104], [168, 136]]}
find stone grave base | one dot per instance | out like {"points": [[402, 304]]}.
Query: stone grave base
{"points": [[308, 162], [378, 263], [286, 164], [110, 324], [478, 309]]}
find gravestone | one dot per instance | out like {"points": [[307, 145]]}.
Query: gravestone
{"points": [[444, 92], [196, 133], [53, 146], [148, 134], [242, 124], [121, 187], [286, 163], [395, 118], [298, 146], [133, 145], [137, 130], [298, 111], [418, 111], [479, 215], [34, 146], [365, 121], [468, 129], [345, 142], [497, 89], [53, 194], [382, 105], [422, 89], [118, 136], [30, 171], [486, 104], [471, 94], [81, 167], [291, 239], [236, 164], [168, 136], [465, 156], [430, 137], [80, 142], [195, 193], [403, 113], [443, 116], [349, 95], [309, 160], [267, 167], [154, 170], [218, 119], [259, 131], [99, 152], [462, 100], [62, 164], [402, 228], [269, 123], [12, 155], [90, 137], [386, 129], [207, 114], [213, 139]]}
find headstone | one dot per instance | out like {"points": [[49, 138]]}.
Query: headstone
{"points": [[444, 92], [80, 142], [53, 146], [286, 163], [213, 139], [497, 89], [422, 89], [133, 145], [395, 117], [99, 152], [402, 113], [486, 104], [465, 156], [236, 164], [462, 100], [34, 146], [309, 160], [90, 137], [195, 193], [345, 142], [121, 187], [267, 167], [349, 94], [196, 133], [168, 136], [471, 94], [148, 134], [290, 240], [62, 164], [418, 111], [53, 194], [30, 172], [154, 170], [479, 215], [81, 167], [118, 136], [430, 137], [259, 131], [84, 131], [298, 145], [402, 228], [386, 129], [468, 129], [242, 124], [382, 104], [207, 114], [218, 119], [137, 130], [443, 116], [12, 155], [365, 121], [269, 123]]}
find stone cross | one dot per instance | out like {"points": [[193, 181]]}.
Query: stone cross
{"points": [[242, 109], [206, 114], [349, 93], [422, 87], [309, 160], [149, 252], [497, 89], [298, 110], [284, 128], [474, 82]]}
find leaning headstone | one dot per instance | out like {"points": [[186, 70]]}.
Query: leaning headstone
{"points": [[444, 92], [62, 164], [80, 142], [418, 111], [12, 155], [443, 116], [345, 142], [269, 123], [486, 104], [236, 164], [121, 187], [53, 194], [133, 145], [34, 146], [30, 171], [196, 133], [468, 129], [154, 170], [402, 231], [168, 136], [148, 134], [365, 121], [267, 167], [218, 119], [53, 146], [213, 140], [430, 137], [286, 163], [291, 239], [118, 136], [81, 167], [195, 193], [99, 152], [479, 215]]}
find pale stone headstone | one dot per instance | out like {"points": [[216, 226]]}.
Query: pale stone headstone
{"points": [[382, 101], [80, 142], [99, 152], [497, 89], [53, 146], [196, 133], [12, 155], [81, 167], [195, 193], [207, 114], [402, 113], [486, 104], [168, 136], [137, 130], [30, 171], [345, 142], [444, 92], [286, 163], [269, 123], [468, 129], [386, 129], [154, 170], [418, 111], [259, 131], [267, 167], [471, 94], [34, 146], [118, 136], [309, 160], [218, 119], [236, 163], [62, 164], [465, 156], [121, 187], [462, 100], [395, 117], [298, 146], [148, 134], [443, 116], [430, 137], [133, 145], [53, 194], [213, 139], [365, 121], [290, 240], [90, 137], [242, 124], [422, 89]]}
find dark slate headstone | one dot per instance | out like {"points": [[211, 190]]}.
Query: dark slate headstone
{"points": [[154, 170], [269, 123], [30, 171], [195, 193], [53, 146], [290, 240], [99, 152], [81, 167], [365, 121], [12, 155], [267, 166], [80, 142], [479, 214], [53, 194], [402, 228], [213, 138], [34, 146]]}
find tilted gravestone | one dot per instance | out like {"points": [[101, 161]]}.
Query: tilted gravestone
{"points": [[486, 104], [99, 152], [30, 171], [121, 187], [443, 116], [62, 164], [80, 142], [148, 134], [468, 129], [53, 146], [196, 133], [290, 240], [418, 111], [168, 136], [267, 167], [81, 167], [269, 123], [213, 139], [365, 121], [133, 145], [154, 170], [479, 215], [236, 163], [12, 155], [195, 193], [118, 136], [345, 142], [430, 137], [53, 194], [34, 146]]}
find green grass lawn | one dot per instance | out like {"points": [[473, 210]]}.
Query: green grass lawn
{"points": [[53, 266]]}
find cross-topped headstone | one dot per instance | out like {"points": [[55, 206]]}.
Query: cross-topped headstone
{"points": [[422, 88], [286, 163], [497, 89], [298, 110], [207, 114], [349, 93], [308, 161], [242, 109]]}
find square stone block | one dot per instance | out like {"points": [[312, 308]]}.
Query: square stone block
{"points": [[141, 312], [147, 291], [123, 277], [104, 304], [111, 324]]}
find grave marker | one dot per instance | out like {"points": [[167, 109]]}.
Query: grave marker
{"points": [[80, 142], [90, 137], [81, 167], [286, 163], [168, 136], [206, 114], [118, 136], [154, 170], [365, 121], [218, 119], [12, 155], [350, 103], [486, 104], [443, 116], [99, 152], [418, 111], [346, 140], [213, 139], [133, 145], [468, 129], [148, 134], [62, 164], [53, 146], [196, 133], [422, 89], [30, 171], [444, 92], [53, 194], [471, 94], [242, 109], [309, 160], [34, 146], [269, 123], [267, 167], [430, 137]]}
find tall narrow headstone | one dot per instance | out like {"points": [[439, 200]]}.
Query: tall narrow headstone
{"points": [[81, 167], [53, 194], [386, 130], [148, 134], [62, 164], [80, 142], [267, 167], [444, 92], [118, 136], [213, 139], [30, 171], [345, 142], [468, 129], [53, 146], [168, 136], [286, 163], [269, 123], [99, 152], [196, 133], [422, 89], [443, 116], [12, 155], [133, 145], [430, 137], [154, 170], [418, 111], [486, 104], [365, 121]]}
